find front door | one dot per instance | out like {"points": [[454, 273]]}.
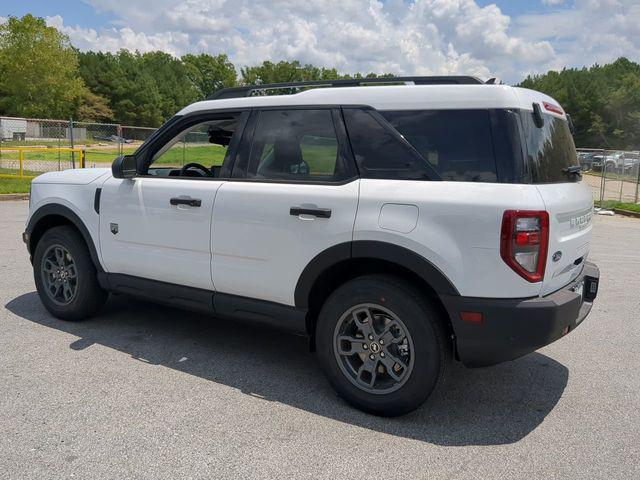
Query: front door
{"points": [[294, 194], [158, 225]]}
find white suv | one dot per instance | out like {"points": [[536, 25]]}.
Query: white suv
{"points": [[398, 225]]}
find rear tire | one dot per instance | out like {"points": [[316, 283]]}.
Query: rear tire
{"points": [[395, 362], [65, 276]]}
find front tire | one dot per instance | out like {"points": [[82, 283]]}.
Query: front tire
{"points": [[65, 276], [381, 344]]}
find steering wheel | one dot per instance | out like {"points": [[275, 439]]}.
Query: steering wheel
{"points": [[197, 166]]}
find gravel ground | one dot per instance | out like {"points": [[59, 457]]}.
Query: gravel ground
{"points": [[150, 392]]}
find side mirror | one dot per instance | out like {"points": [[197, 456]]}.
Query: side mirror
{"points": [[124, 167]]}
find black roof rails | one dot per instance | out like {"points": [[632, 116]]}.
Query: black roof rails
{"points": [[246, 91]]}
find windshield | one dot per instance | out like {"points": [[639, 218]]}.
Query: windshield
{"points": [[550, 149]]}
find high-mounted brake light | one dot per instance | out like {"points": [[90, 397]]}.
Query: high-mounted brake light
{"points": [[524, 241], [550, 107]]}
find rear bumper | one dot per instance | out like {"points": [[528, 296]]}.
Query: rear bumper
{"points": [[511, 328]]}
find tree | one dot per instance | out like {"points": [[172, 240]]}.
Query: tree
{"points": [[142, 89], [269, 72], [604, 102], [283, 71], [209, 73], [172, 81], [93, 108], [39, 70]]}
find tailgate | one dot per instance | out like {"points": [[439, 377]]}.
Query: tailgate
{"points": [[570, 207]]}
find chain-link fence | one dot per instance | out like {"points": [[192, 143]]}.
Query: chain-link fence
{"points": [[612, 175], [31, 146]]}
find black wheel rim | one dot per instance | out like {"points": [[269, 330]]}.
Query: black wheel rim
{"points": [[59, 275], [373, 348]]}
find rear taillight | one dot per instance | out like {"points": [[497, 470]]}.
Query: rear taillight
{"points": [[524, 241]]}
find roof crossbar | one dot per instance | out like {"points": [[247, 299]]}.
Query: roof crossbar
{"points": [[249, 90]]}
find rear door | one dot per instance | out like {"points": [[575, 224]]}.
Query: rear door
{"points": [[293, 194], [551, 155], [570, 207]]}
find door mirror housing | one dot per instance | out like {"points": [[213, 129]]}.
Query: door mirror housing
{"points": [[124, 167]]}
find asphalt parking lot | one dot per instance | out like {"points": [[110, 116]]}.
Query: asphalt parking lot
{"points": [[150, 392]]}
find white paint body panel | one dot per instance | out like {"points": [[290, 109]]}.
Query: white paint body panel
{"points": [[570, 207], [156, 240], [403, 97], [260, 250], [74, 189], [78, 176], [398, 217], [458, 229]]}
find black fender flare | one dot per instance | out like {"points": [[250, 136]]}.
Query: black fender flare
{"points": [[361, 249], [55, 209]]}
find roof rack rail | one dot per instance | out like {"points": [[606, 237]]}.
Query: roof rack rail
{"points": [[248, 90]]}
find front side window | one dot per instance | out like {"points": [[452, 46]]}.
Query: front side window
{"points": [[456, 143], [198, 150], [298, 145]]}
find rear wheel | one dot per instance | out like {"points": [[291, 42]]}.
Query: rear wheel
{"points": [[65, 276], [381, 345]]}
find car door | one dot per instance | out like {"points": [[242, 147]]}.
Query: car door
{"points": [[294, 194], [158, 225]]}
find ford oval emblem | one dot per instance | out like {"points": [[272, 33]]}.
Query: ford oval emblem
{"points": [[557, 256]]}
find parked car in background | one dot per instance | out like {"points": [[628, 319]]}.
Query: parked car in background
{"points": [[628, 161], [586, 159]]}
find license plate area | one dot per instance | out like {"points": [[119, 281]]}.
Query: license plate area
{"points": [[590, 288]]}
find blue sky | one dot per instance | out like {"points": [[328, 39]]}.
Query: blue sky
{"points": [[81, 13], [509, 39]]}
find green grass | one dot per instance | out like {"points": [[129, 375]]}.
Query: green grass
{"points": [[632, 177], [14, 185], [205, 154], [609, 204], [320, 158], [34, 143]]}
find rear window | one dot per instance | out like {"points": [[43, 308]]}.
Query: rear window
{"points": [[456, 143], [550, 149]]}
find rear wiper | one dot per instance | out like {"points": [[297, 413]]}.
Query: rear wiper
{"points": [[573, 170]]}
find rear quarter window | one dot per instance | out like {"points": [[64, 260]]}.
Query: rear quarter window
{"points": [[457, 143]]}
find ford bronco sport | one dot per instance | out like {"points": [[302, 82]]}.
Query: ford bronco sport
{"points": [[398, 223]]}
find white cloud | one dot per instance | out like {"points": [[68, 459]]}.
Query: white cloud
{"points": [[419, 37], [590, 31], [552, 2]]}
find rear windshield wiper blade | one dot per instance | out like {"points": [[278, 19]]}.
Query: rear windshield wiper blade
{"points": [[573, 170]]}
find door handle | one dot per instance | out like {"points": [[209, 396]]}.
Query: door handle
{"points": [[316, 212], [192, 202]]}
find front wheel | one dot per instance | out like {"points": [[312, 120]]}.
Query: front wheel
{"points": [[65, 276], [381, 344]]}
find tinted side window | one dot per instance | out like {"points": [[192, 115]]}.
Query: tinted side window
{"points": [[296, 145], [379, 153], [457, 143]]}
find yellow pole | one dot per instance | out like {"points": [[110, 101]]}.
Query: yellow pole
{"points": [[21, 160], [83, 159]]}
